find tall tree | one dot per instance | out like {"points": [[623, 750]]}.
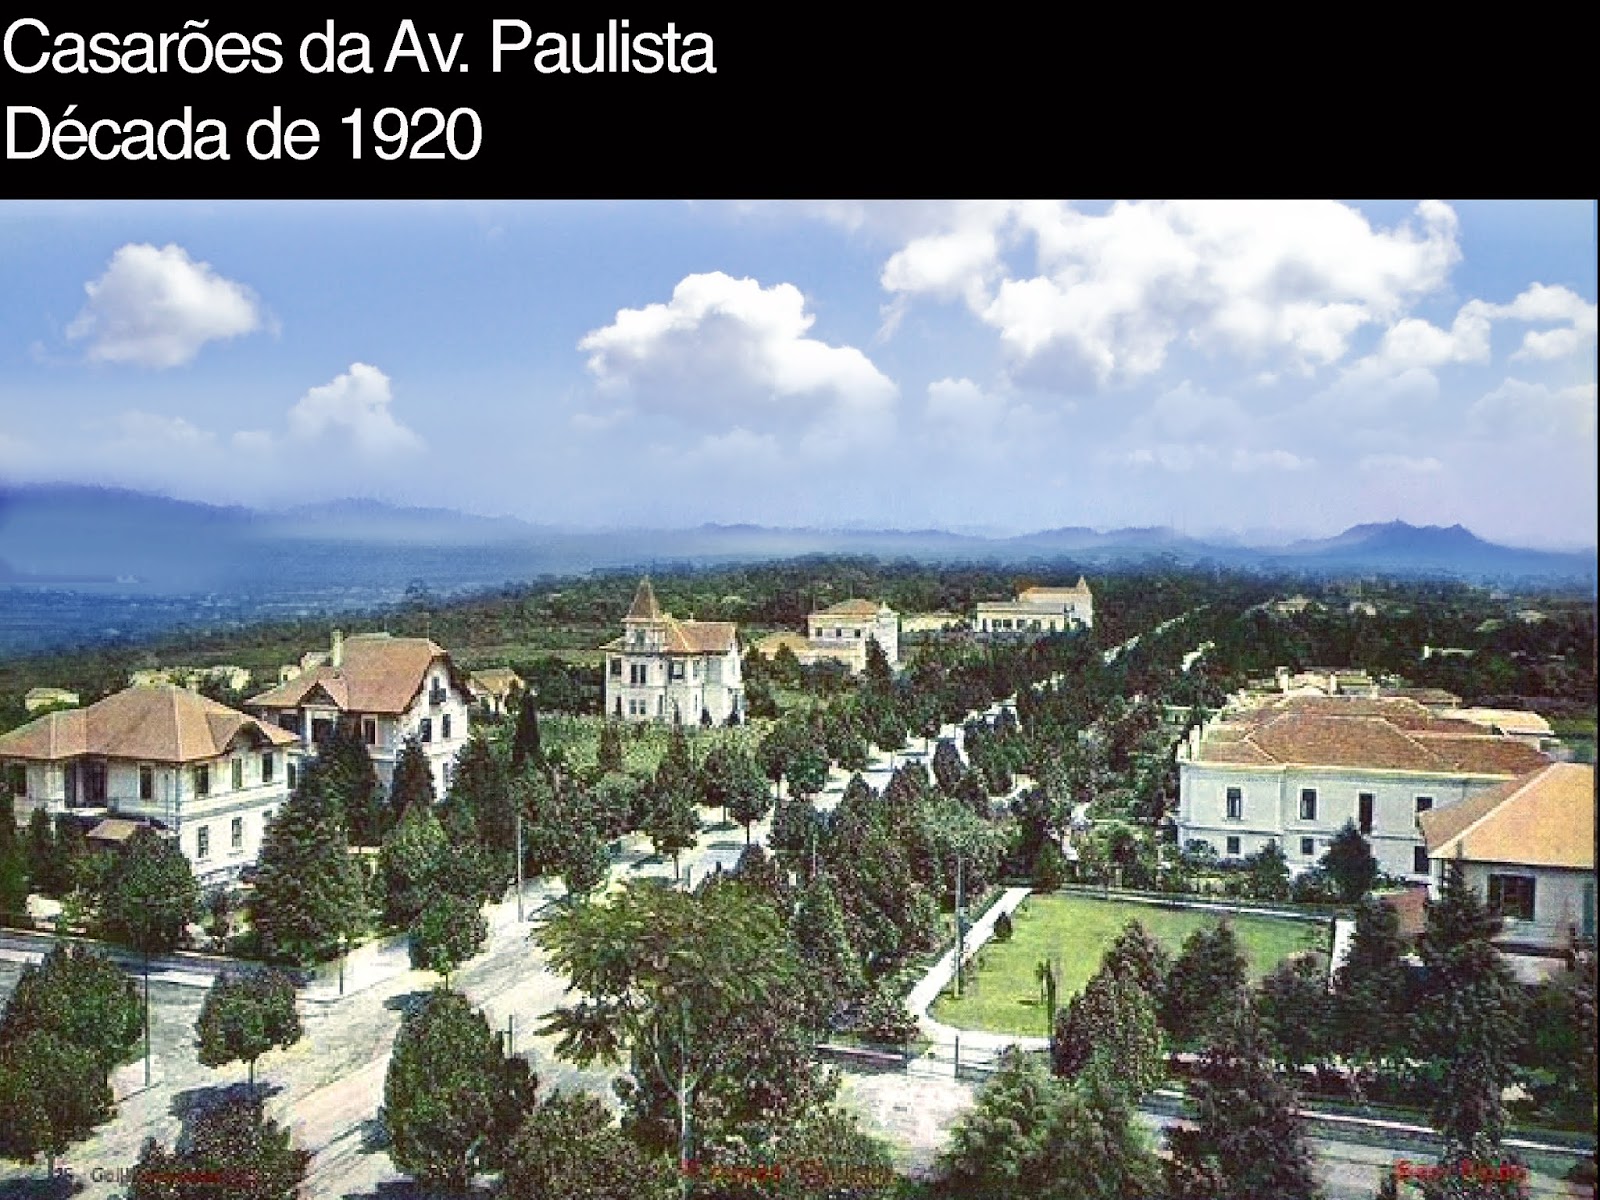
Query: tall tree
{"points": [[452, 1101], [14, 881], [525, 744], [53, 1093], [151, 897], [1296, 1010], [1349, 863], [1203, 984], [81, 997], [1372, 988], [412, 785], [410, 862], [352, 784], [585, 862], [823, 945], [672, 822], [446, 933], [1138, 954], [1268, 873], [1108, 1038], [570, 1147], [309, 895], [948, 769], [244, 1016], [663, 974], [480, 787], [1248, 1142], [608, 757], [232, 1149]]}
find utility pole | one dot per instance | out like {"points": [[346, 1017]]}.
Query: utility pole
{"points": [[960, 926]]}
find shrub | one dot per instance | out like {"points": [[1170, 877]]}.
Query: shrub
{"points": [[1002, 928]]}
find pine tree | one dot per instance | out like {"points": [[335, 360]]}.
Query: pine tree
{"points": [[948, 768], [1248, 1142], [1139, 955], [1203, 984], [1108, 1037], [14, 883], [309, 894], [1372, 987], [352, 784], [1296, 1011], [412, 783], [609, 755], [823, 943]]}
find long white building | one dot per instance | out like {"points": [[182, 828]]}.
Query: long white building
{"points": [[1036, 612], [1296, 770]]}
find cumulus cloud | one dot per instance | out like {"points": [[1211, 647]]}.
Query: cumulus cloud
{"points": [[1109, 295], [158, 307], [154, 433], [964, 419], [354, 407], [1406, 464], [1519, 409], [727, 352], [1543, 305]]}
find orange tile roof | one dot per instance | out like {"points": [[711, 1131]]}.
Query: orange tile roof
{"points": [[1544, 819], [644, 606], [1392, 735], [161, 723], [378, 674], [850, 608]]}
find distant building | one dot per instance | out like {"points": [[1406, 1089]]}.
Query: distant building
{"points": [[840, 633], [234, 679], [931, 622], [1527, 846], [666, 669], [196, 770], [390, 689], [496, 687], [1036, 612], [1295, 770], [49, 697]]}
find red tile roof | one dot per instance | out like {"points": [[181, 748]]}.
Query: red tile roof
{"points": [[162, 723], [378, 674]]}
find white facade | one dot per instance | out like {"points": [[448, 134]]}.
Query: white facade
{"points": [[1036, 612], [844, 631], [664, 669]]}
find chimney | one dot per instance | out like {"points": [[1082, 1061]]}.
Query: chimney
{"points": [[337, 657]]}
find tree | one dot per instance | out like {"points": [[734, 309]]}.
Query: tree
{"points": [[525, 745], [1249, 1142], [825, 1153], [481, 787], [1203, 984], [452, 1100], [1295, 1010], [1107, 1036], [151, 897], [14, 881], [672, 822], [412, 786], [948, 769], [1031, 1137], [663, 975], [1137, 954], [53, 1093], [585, 861], [823, 944], [1372, 987], [446, 933], [244, 1016], [1349, 863], [1269, 873], [609, 755], [570, 1147], [409, 864], [309, 896], [80, 997], [747, 796], [232, 1149], [352, 784]]}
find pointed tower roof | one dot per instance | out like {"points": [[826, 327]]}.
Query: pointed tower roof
{"points": [[644, 606]]}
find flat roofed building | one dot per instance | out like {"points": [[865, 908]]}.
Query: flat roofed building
{"points": [[666, 669], [1295, 770], [846, 628], [388, 688], [1527, 846], [1036, 612], [206, 774]]}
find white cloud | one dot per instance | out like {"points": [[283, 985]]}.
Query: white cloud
{"points": [[1404, 463], [727, 352], [158, 307], [154, 433], [1246, 461], [356, 406], [1518, 409], [1109, 295], [963, 419], [1543, 304]]}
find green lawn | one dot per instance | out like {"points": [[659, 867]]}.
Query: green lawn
{"points": [[1075, 931]]}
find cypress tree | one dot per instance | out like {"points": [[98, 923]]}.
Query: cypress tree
{"points": [[525, 747], [413, 781]]}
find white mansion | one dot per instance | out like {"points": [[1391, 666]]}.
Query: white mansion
{"points": [[163, 756], [392, 688], [664, 669], [1036, 612], [1295, 770]]}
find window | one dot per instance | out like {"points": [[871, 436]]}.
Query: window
{"points": [[616, 667], [291, 774], [1364, 805], [236, 834], [444, 727], [1233, 847], [17, 779], [675, 670], [202, 842], [321, 729], [1424, 803], [1235, 804], [369, 730], [238, 774], [425, 729], [268, 765], [202, 781], [1308, 847], [1512, 896], [638, 674], [1419, 860], [1308, 804], [147, 782], [289, 721]]}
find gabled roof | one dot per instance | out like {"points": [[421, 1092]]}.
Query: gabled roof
{"points": [[161, 723], [644, 606], [378, 674], [1542, 819]]}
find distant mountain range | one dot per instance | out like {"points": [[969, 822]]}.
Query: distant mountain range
{"points": [[63, 535], [237, 564]]}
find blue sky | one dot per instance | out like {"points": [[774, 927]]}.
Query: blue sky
{"points": [[1262, 368]]}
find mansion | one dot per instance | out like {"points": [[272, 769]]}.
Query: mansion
{"points": [[1036, 612], [841, 633], [195, 770], [666, 669], [391, 689], [1296, 770]]}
